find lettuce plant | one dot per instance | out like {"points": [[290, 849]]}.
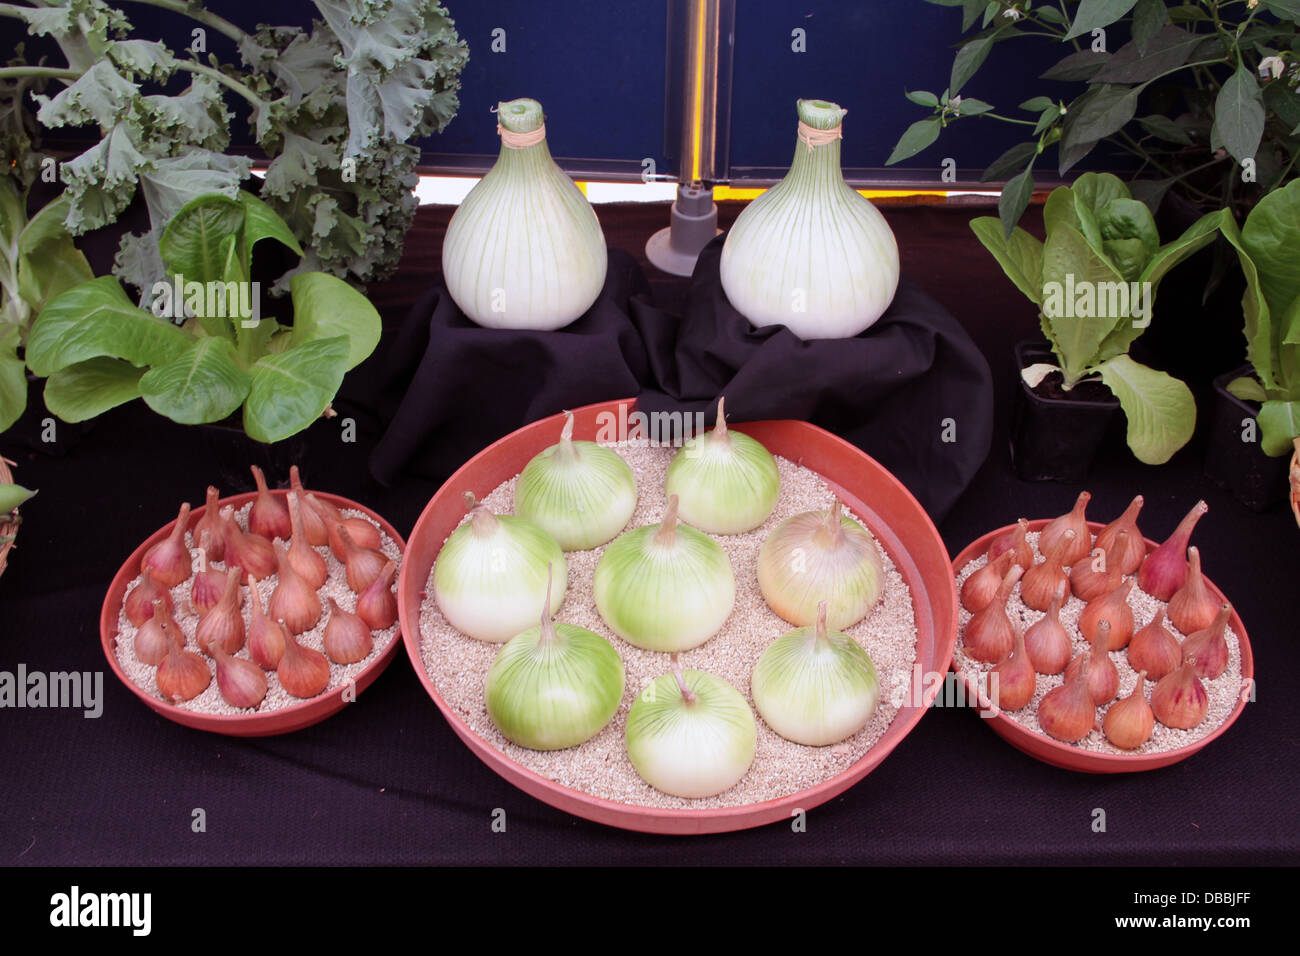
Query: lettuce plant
{"points": [[1268, 247], [203, 351], [1094, 281], [37, 262]]}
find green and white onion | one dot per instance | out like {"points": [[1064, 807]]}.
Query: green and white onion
{"points": [[491, 575], [725, 481], [691, 734], [820, 556], [815, 686], [582, 493], [524, 250], [554, 686], [665, 587], [811, 253]]}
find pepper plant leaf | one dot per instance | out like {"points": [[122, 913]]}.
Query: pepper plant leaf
{"points": [[1238, 116], [1097, 13]]}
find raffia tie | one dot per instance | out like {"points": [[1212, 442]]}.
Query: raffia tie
{"points": [[521, 140], [810, 136]]}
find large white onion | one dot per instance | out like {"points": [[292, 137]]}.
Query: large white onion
{"points": [[493, 573], [821, 556], [725, 481], [811, 253], [524, 250], [815, 686], [691, 734], [664, 587], [554, 685], [581, 492]]}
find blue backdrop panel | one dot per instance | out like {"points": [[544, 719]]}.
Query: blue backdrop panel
{"points": [[598, 67], [864, 55]]}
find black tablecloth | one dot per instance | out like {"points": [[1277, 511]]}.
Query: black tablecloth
{"points": [[386, 780]]}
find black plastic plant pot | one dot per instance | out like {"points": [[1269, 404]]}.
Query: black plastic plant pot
{"points": [[234, 452], [1055, 435], [1234, 457]]}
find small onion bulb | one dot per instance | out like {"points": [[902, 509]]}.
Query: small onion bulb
{"points": [[820, 556], [815, 686], [491, 574], [554, 686], [665, 587], [691, 734], [725, 481], [580, 492]]}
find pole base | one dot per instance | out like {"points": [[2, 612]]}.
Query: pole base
{"points": [[694, 222]]}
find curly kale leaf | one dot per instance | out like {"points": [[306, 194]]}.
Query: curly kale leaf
{"points": [[374, 75], [333, 108], [403, 61], [197, 115], [145, 59], [167, 186], [101, 181], [101, 96], [93, 20]]}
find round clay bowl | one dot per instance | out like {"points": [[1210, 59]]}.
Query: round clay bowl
{"points": [[1067, 756], [888, 509], [281, 721]]}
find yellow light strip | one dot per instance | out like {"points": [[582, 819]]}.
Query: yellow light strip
{"points": [[736, 192], [697, 105], [730, 192]]}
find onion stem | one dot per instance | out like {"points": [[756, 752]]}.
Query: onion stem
{"points": [[484, 521], [565, 448], [666, 536], [819, 636], [831, 533], [688, 695], [720, 427], [548, 624]]}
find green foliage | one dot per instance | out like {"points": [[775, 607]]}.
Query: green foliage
{"points": [[1268, 247], [334, 108], [11, 496], [1216, 84], [1088, 280], [38, 262], [99, 349]]}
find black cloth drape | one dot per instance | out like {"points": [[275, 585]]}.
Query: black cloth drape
{"points": [[913, 391]]}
